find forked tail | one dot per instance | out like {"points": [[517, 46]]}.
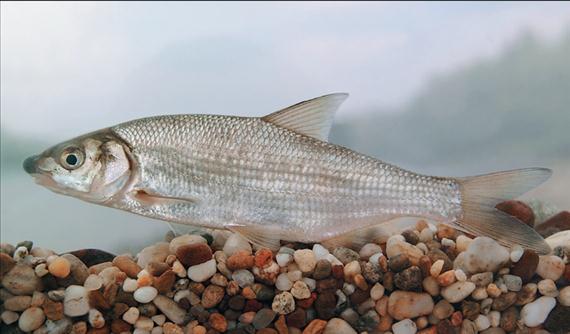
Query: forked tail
{"points": [[480, 194]]}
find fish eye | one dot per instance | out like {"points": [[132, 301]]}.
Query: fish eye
{"points": [[72, 158]]}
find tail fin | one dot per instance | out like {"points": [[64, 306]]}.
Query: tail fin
{"points": [[481, 193]]}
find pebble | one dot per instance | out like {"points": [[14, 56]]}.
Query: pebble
{"points": [[305, 259], [399, 262], [368, 250], [154, 253], [202, 272], [170, 309], [431, 286], [525, 268], [283, 282], [212, 296], [283, 259], [516, 253], [322, 269], [443, 309], [31, 319], [405, 326], [338, 326], [96, 319], [397, 245], [409, 279], [482, 322], [547, 287], [21, 280], [345, 255], [457, 291], [127, 265], [300, 290], [550, 266], [185, 239], [377, 291], [93, 282], [283, 303], [194, 254], [513, 283], [236, 243], [564, 296], [60, 267], [263, 318], [407, 304], [145, 294], [18, 303], [76, 302], [483, 254], [9, 317], [131, 316], [535, 313], [243, 278], [462, 243]]}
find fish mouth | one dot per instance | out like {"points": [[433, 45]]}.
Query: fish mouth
{"points": [[30, 164]]}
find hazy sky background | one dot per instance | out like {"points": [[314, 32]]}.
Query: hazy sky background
{"points": [[68, 68]]}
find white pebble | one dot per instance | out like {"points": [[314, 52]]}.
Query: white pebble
{"points": [[31, 319], [368, 250], [426, 235], [157, 330], [141, 331], [564, 296], [462, 243], [144, 323], [482, 322], [447, 242], [283, 282], [516, 253], [203, 271], [535, 313], [93, 282], [131, 315], [145, 294], [436, 268], [9, 317], [76, 302], [283, 259], [20, 253], [130, 285], [96, 319], [294, 275], [494, 318], [311, 283], [460, 275], [321, 252], [159, 319], [236, 243], [550, 266], [405, 326]]}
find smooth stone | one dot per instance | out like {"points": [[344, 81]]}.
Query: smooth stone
{"points": [[18, 303], [397, 245], [79, 270], [236, 243], [263, 318], [283, 282], [321, 252], [457, 291], [525, 267], [31, 319], [564, 296], [202, 272], [443, 309], [345, 255], [283, 259], [377, 291], [170, 309], [557, 321], [96, 318], [548, 288], [154, 253], [406, 304], [21, 280], [76, 301], [368, 250], [513, 283], [338, 326], [131, 315], [550, 266], [212, 296], [535, 313], [243, 277], [145, 294], [305, 259], [300, 290], [483, 254], [186, 239], [482, 322], [405, 326]]}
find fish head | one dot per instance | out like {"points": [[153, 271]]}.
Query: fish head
{"points": [[94, 167]]}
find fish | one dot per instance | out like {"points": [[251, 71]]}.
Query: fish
{"points": [[272, 179]]}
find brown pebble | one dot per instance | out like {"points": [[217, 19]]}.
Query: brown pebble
{"points": [[518, 210], [218, 322], [119, 309], [446, 231], [429, 330], [193, 254], [411, 237], [456, 318], [6, 263], [445, 327], [554, 224], [399, 262], [525, 268], [240, 260], [79, 327], [280, 325], [119, 326], [266, 331], [325, 305], [157, 268], [326, 284], [338, 271], [97, 300], [317, 326], [447, 278], [388, 281], [360, 282], [127, 265], [170, 328], [212, 296], [509, 319], [53, 310], [470, 309], [97, 268], [408, 279], [504, 301], [102, 330], [165, 281], [425, 265]]}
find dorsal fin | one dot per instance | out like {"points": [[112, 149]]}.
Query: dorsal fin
{"points": [[311, 118]]}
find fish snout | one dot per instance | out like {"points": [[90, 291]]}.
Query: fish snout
{"points": [[30, 164]]}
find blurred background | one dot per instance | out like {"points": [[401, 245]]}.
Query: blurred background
{"points": [[448, 89]]}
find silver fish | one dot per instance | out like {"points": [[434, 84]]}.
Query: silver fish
{"points": [[273, 178]]}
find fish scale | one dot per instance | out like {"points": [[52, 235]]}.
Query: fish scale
{"points": [[273, 176]]}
